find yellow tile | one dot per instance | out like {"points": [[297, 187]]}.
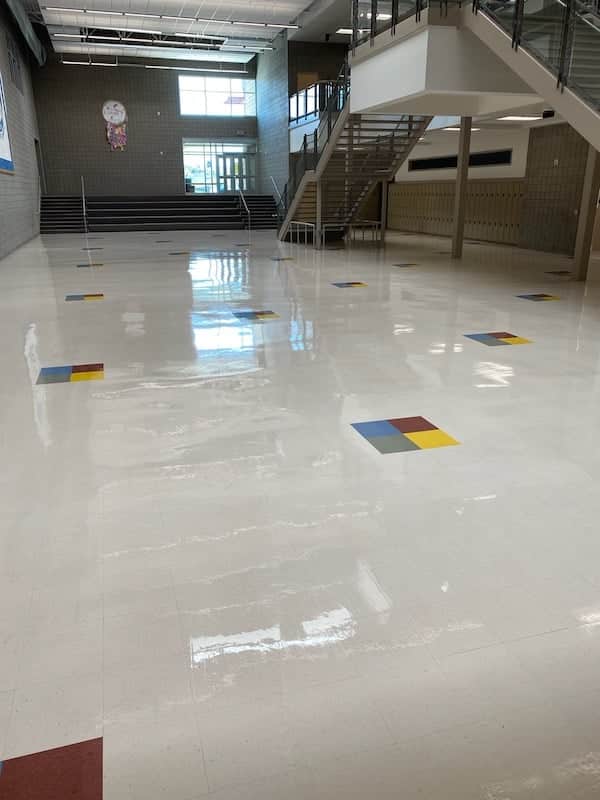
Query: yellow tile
{"points": [[516, 340], [86, 376], [268, 316], [428, 439], [88, 297], [551, 297]]}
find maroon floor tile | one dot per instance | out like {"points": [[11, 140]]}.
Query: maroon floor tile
{"points": [[73, 772], [412, 424]]}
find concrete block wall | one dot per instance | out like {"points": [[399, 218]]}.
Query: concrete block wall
{"points": [[19, 219], [73, 135], [273, 111]]}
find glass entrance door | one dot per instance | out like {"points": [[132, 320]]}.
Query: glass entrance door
{"points": [[233, 172], [219, 167]]}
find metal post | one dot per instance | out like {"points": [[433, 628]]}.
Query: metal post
{"points": [[85, 225], [460, 196], [587, 214], [318, 233], [384, 209]]}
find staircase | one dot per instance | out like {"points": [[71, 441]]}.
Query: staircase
{"points": [[61, 215], [156, 213], [541, 33], [348, 154]]}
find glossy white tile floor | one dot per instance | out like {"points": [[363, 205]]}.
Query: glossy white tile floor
{"points": [[202, 562]]}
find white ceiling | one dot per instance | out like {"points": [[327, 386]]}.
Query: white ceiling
{"points": [[70, 25]]}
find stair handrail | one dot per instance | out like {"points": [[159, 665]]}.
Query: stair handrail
{"points": [[83, 203], [245, 204], [574, 10], [313, 144]]}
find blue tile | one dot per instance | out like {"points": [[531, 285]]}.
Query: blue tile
{"points": [[56, 370], [485, 338], [379, 427], [74, 297]]}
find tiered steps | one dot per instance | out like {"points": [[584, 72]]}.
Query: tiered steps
{"points": [[156, 213]]}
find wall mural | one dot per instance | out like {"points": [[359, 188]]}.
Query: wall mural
{"points": [[6, 162], [115, 117]]}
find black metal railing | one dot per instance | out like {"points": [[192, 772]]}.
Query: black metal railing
{"points": [[564, 35], [314, 143], [310, 101]]}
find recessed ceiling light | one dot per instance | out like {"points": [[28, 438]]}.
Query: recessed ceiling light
{"points": [[518, 118]]}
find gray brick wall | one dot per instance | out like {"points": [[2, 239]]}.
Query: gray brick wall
{"points": [[19, 220], [553, 184], [272, 108], [69, 103]]}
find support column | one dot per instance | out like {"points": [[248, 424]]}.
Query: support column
{"points": [[587, 215], [384, 209], [318, 242], [460, 196]]}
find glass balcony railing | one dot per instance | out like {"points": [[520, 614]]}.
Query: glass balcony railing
{"points": [[564, 35], [309, 102]]}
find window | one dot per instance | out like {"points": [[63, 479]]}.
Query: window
{"points": [[201, 96], [491, 159], [216, 167]]}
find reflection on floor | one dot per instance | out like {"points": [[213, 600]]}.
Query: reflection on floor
{"points": [[205, 564]]}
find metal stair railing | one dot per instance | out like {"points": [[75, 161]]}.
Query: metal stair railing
{"points": [[314, 144]]}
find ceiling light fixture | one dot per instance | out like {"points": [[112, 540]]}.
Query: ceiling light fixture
{"points": [[345, 31], [281, 26], [519, 118], [473, 130]]}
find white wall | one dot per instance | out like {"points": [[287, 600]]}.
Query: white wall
{"points": [[445, 143]]}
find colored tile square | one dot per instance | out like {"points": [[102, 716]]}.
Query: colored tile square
{"points": [[59, 377], [516, 340], [407, 264], [54, 375], [380, 427], [538, 297], [485, 338], [267, 315], [412, 424], [86, 266], [392, 444], [500, 334], [180, 253], [92, 248], [425, 440], [71, 297], [93, 297], [256, 315], [558, 272], [87, 367], [87, 376], [349, 284], [283, 258], [73, 772]]}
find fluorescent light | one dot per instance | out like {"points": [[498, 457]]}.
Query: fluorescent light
{"points": [[180, 19], [134, 14], [59, 8], [95, 36], [189, 69], [345, 31], [458, 129], [78, 63], [130, 30], [517, 118], [67, 35], [198, 36], [104, 64]]}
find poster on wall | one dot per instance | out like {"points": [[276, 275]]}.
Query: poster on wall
{"points": [[115, 117], [6, 162]]}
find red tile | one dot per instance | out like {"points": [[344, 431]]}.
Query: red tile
{"points": [[88, 368], [412, 424], [502, 335], [65, 773]]}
